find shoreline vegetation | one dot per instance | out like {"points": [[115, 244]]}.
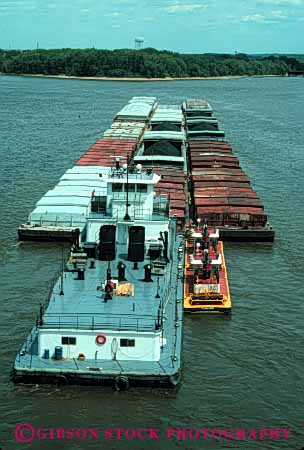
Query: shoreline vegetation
{"points": [[142, 65], [134, 79]]}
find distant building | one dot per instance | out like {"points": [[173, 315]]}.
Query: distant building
{"points": [[139, 43]]}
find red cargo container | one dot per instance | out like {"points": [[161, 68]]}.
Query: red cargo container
{"points": [[209, 149], [169, 191], [212, 160], [172, 178], [172, 195], [202, 165], [246, 202], [219, 178], [218, 171], [233, 216], [173, 186], [210, 184], [224, 194], [236, 201], [231, 209], [179, 204]]}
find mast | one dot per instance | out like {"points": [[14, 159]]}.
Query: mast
{"points": [[127, 217]]}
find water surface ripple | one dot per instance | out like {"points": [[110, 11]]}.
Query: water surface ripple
{"points": [[247, 371]]}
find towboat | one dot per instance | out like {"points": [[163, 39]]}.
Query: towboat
{"points": [[206, 287], [115, 314]]}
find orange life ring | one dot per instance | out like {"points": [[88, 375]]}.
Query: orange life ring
{"points": [[101, 339]]}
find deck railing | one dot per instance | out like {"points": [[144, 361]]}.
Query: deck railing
{"points": [[85, 321], [26, 347]]}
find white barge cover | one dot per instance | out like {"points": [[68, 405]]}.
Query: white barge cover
{"points": [[68, 204]]}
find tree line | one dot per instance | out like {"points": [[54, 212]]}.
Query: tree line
{"points": [[149, 63]]}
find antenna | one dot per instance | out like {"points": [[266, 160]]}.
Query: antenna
{"points": [[157, 292], [41, 315], [61, 275], [139, 43], [127, 217]]}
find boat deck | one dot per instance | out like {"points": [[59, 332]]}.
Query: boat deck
{"points": [[90, 311], [206, 303], [84, 300]]}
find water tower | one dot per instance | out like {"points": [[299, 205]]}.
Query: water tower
{"points": [[139, 43]]}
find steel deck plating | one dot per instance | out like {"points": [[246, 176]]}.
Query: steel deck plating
{"points": [[140, 312]]}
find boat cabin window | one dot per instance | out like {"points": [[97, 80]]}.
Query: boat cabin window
{"points": [[131, 187], [127, 342], [117, 187], [142, 188], [65, 340], [99, 204]]}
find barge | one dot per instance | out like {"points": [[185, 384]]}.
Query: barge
{"points": [[115, 314], [200, 175], [56, 220], [220, 190]]}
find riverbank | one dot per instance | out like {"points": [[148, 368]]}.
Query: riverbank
{"points": [[142, 79]]}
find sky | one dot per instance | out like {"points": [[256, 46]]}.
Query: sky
{"points": [[188, 26]]}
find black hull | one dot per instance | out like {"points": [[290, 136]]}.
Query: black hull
{"points": [[120, 382], [222, 311], [46, 235], [246, 234]]}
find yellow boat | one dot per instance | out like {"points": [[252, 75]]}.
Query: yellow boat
{"points": [[206, 287]]}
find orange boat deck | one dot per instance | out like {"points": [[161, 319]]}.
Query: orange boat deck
{"points": [[206, 301]]}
